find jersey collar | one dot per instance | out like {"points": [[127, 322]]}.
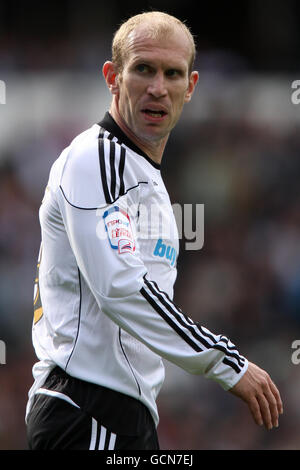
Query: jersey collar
{"points": [[110, 125]]}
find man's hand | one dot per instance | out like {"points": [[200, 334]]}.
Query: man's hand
{"points": [[261, 395]]}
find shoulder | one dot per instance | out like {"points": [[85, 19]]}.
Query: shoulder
{"points": [[98, 170]]}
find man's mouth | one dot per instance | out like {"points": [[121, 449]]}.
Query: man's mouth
{"points": [[154, 113]]}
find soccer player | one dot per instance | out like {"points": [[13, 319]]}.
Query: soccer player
{"points": [[103, 311]]}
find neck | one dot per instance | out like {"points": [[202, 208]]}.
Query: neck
{"points": [[154, 150]]}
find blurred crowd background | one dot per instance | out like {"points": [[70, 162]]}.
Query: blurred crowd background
{"points": [[236, 150]]}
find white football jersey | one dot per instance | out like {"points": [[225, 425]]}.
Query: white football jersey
{"points": [[103, 308]]}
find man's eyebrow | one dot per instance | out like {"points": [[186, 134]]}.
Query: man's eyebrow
{"points": [[151, 63], [141, 60]]}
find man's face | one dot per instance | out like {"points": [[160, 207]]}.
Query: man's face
{"points": [[155, 83]]}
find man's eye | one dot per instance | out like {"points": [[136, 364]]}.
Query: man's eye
{"points": [[142, 68], [172, 73]]}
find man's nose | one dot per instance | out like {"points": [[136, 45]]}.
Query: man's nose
{"points": [[157, 86]]}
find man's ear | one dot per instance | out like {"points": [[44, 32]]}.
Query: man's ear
{"points": [[110, 75], [193, 79]]}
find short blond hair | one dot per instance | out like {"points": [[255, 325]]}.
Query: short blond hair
{"points": [[159, 24]]}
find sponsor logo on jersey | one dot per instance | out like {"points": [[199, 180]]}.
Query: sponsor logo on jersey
{"points": [[118, 228], [163, 250]]}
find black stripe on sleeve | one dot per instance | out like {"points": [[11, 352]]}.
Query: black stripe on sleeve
{"points": [[112, 170], [168, 320], [187, 323], [190, 325], [103, 171], [231, 364], [229, 350], [121, 171], [203, 332], [177, 316]]}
